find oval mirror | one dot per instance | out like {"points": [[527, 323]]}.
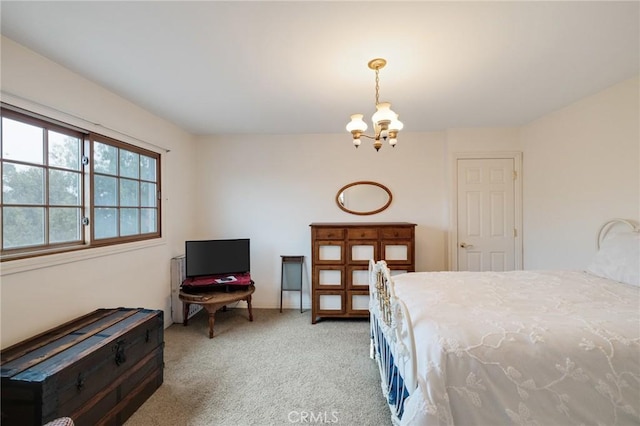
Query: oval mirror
{"points": [[363, 198]]}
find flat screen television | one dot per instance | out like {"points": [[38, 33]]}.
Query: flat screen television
{"points": [[217, 257]]}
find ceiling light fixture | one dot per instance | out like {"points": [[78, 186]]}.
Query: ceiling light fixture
{"points": [[385, 122]]}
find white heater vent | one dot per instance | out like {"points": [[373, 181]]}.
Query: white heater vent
{"points": [[178, 274]]}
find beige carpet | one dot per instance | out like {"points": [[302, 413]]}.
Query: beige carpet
{"points": [[277, 370]]}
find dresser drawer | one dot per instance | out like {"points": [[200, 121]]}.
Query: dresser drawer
{"points": [[362, 234], [329, 233], [390, 233]]}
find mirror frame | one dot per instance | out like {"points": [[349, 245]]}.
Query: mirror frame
{"points": [[363, 182]]}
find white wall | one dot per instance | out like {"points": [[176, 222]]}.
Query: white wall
{"points": [[482, 139], [65, 286], [581, 168], [271, 187]]}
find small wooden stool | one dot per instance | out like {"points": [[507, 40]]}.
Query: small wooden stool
{"points": [[214, 300]]}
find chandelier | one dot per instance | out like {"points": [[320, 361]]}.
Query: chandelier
{"points": [[385, 122]]}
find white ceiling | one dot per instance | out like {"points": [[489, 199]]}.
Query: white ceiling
{"points": [[301, 67]]}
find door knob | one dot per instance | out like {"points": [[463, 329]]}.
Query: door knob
{"points": [[465, 245]]}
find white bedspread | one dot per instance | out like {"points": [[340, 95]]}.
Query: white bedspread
{"points": [[523, 348]]}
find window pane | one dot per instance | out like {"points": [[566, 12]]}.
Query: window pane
{"points": [[105, 190], [64, 225], [129, 164], [129, 222], [105, 223], [105, 158], [64, 151], [148, 221], [147, 194], [148, 168], [22, 184], [22, 227], [64, 188], [129, 192], [22, 142]]}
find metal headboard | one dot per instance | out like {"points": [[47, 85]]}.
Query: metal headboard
{"points": [[604, 229]]}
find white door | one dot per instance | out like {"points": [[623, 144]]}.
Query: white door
{"points": [[486, 214]]}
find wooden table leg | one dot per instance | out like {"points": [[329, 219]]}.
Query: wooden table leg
{"points": [[249, 308], [214, 301], [185, 313], [212, 320]]}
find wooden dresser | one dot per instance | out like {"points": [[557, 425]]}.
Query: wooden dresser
{"points": [[340, 263]]}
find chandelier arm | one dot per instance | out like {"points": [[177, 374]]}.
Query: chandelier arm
{"points": [[362, 135]]}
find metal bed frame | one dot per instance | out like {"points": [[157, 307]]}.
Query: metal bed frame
{"points": [[610, 224], [392, 341]]}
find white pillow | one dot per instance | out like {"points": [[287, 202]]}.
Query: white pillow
{"points": [[618, 258]]}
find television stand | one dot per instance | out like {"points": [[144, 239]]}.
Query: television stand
{"points": [[214, 300]]}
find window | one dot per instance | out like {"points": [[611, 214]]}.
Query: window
{"points": [[125, 188], [64, 188]]}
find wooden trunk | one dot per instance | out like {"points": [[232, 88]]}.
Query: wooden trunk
{"points": [[97, 369]]}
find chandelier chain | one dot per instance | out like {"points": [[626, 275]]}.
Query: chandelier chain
{"points": [[377, 86]]}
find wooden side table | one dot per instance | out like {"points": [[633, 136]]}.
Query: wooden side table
{"points": [[212, 301]]}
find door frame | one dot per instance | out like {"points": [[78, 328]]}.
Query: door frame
{"points": [[516, 156]]}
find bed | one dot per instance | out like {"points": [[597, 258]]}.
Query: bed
{"points": [[520, 347]]}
